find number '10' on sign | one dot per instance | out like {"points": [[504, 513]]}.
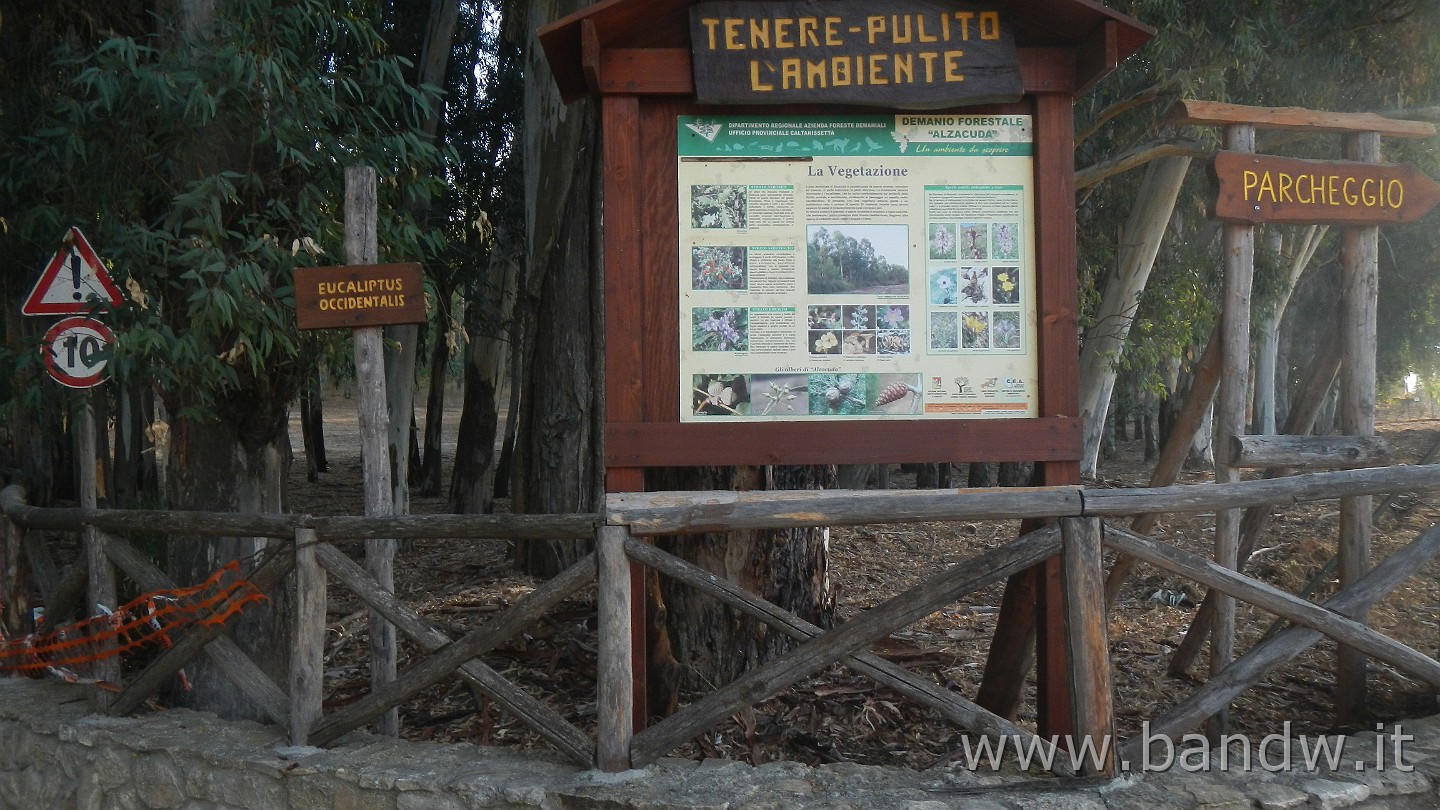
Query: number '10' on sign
{"points": [[74, 351]]}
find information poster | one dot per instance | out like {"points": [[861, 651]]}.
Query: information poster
{"points": [[858, 267]]}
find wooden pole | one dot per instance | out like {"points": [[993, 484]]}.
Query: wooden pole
{"points": [[1359, 285], [1239, 262], [101, 589], [15, 579], [307, 660], [361, 248], [1087, 640], [616, 674]]}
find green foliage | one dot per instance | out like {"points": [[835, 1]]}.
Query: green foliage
{"points": [[1335, 55], [206, 171]]}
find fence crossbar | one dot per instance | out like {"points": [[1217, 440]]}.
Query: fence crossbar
{"points": [[1300, 611], [265, 578], [223, 651], [1268, 655], [952, 706], [667, 513], [960, 579], [449, 656]]}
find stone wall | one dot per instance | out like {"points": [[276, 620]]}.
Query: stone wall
{"points": [[57, 755]]}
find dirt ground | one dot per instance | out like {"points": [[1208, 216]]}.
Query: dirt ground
{"points": [[839, 716]]}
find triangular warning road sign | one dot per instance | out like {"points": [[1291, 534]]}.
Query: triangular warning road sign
{"points": [[74, 281]]}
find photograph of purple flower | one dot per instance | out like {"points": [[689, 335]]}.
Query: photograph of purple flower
{"points": [[720, 330], [896, 317], [942, 241], [1006, 330], [1006, 241]]}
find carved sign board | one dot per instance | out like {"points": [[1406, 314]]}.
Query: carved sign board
{"points": [[912, 54], [1264, 188], [352, 296]]}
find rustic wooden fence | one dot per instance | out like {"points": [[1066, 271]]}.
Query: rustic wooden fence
{"points": [[305, 545]]}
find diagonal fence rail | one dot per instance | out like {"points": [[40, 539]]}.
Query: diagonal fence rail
{"points": [[1079, 537]]}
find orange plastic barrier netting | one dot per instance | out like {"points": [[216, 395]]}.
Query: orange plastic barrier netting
{"points": [[149, 619]]}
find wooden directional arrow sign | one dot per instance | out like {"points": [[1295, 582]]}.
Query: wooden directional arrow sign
{"points": [[1264, 188]]}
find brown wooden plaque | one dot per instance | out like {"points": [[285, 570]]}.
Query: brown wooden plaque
{"points": [[916, 54], [1264, 188], [352, 296]]}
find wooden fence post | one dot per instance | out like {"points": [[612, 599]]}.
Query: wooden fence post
{"points": [[1087, 639], [615, 673], [14, 580], [373, 404], [1359, 285], [307, 659], [101, 589]]}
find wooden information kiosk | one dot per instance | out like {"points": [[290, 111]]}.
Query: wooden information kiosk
{"points": [[753, 150]]}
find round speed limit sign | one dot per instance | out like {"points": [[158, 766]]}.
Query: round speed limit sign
{"points": [[74, 351]]}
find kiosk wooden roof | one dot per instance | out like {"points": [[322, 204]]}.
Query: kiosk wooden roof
{"points": [[642, 46]]}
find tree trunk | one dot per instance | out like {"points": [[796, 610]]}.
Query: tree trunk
{"points": [[134, 472], [557, 464], [1202, 454], [487, 363], [983, 474], [1105, 341], [428, 477], [712, 644], [400, 355], [236, 464], [433, 61], [236, 461], [1016, 473], [1267, 339], [312, 427]]}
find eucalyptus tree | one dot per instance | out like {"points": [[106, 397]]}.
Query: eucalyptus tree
{"points": [[201, 146], [558, 463], [1329, 55]]}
